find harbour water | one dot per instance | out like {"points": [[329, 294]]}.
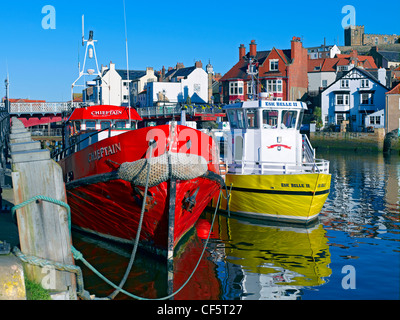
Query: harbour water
{"points": [[352, 252]]}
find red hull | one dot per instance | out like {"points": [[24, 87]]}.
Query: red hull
{"points": [[110, 207]]}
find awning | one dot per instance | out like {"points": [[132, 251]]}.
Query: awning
{"points": [[104, 112]]}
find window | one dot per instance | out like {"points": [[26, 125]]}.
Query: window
{"points": [[90, 124], [376, 40], [364, 83], [367, 98], [196, 87], [235, 88], [270, 119], [288, 119], [105, 124], [385, 39], [274, 86], [120, 124], [252, 118], [125, 97], [249, 88], [273, 65], [344, 83], [342, 99], [236, 119], [324, 83]]}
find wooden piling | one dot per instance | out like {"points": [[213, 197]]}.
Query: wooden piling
{"points": [[43, 226]]}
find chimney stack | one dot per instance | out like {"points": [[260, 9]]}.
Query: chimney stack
{"points": [[296, 46], [242, 51], [198, 64], [253, 48]]}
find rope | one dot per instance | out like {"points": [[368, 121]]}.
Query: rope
{"points": [[133, 255], [78, 255]]}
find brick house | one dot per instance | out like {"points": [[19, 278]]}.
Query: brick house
{"points": [[281, 73]]}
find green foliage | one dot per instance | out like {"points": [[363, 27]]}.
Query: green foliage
{"points": [[318, 116], [35, 291]]}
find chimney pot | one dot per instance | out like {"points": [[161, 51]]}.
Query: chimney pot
{"points": [[253, 48]]}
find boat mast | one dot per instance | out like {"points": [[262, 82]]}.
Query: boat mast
{"points": [[90, 52], [127, 67]]}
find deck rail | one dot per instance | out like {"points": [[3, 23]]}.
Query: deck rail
{"points": [[264, 167]]}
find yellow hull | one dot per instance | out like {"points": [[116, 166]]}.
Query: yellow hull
{"points": [[287, 197]]}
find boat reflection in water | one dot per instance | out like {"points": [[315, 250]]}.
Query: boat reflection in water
{"points": [[271, 261], [243, 260]]}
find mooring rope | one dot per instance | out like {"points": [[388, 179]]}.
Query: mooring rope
{"points": [[133, 255], [78, 255]]}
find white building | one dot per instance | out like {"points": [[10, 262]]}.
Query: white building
{"points": [[114, 86], [353, 96], [180, 85], [323, 51]]}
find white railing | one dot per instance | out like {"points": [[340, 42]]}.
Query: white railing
{"points": [[308, 150], [251, 167], [43, 107]]}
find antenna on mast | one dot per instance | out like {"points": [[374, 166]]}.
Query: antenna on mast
{"points": [[90, 52], [83, 30]]}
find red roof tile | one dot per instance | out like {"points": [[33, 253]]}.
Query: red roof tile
{"points": [[395, 90]]}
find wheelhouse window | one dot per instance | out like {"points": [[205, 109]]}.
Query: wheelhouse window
{"points": [[235, 88], [270, 119], [90, 124], [236, 119], [252, 118], [289, 118], [105, 124], [120, 124]]}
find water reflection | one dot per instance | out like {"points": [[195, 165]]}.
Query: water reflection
{"points": [[359, 225], [271, 261]]}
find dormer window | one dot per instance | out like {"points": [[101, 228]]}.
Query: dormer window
{"points": [[274, 65]]}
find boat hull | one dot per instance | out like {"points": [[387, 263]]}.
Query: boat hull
{"points": [[295, 198], [105, 203]]}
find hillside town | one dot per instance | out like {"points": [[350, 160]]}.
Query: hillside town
{"points": [[355, 86]]}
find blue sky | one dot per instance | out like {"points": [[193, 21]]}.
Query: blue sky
{"points": [[43, 63]]}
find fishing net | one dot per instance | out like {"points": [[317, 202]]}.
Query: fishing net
{"points": [[183, 167]]}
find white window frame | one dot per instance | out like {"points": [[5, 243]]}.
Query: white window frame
{"points": [[236, 88], [364, 83], [344, 83], [345, 98], [274, 86], [274, 65]]}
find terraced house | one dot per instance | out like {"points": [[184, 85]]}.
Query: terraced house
{"points": [[282, 73]]}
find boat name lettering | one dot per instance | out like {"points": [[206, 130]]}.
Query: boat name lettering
{"points": [[104, 151], [322, 185], [295, 185], [281, 104], [105, 113]]}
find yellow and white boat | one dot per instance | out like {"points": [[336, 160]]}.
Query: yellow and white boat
{"points": [[271, 171]]}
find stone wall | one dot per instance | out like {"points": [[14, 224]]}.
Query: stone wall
{"points": [[358, 141]]}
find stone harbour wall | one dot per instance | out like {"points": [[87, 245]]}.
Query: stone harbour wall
{"points": [[357, 141]]}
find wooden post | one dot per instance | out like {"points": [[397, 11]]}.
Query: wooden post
{"points": [[43, 226]]}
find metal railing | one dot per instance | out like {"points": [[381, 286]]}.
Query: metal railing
{"points": [[75, 147], [308, 150], [173, 110], [32, 108], [264, 167]]}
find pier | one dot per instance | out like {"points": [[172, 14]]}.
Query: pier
{"points": [[39, 200]]}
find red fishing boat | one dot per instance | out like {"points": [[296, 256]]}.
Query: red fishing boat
{"points": [[108, 166]]}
